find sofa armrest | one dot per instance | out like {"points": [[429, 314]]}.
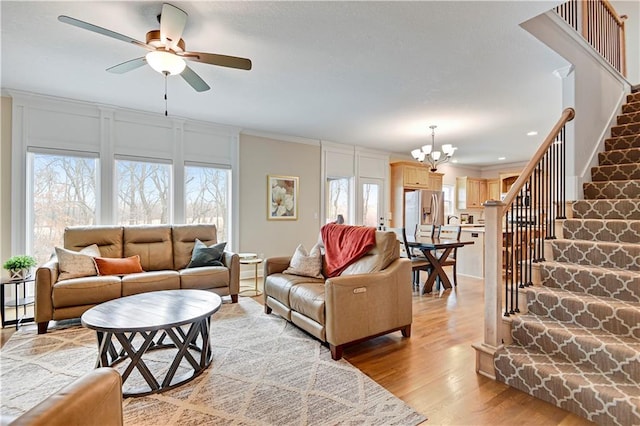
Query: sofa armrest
{"points": [[46, 277], [232, 261], [276, 265], [359, 306], [93, 399]]}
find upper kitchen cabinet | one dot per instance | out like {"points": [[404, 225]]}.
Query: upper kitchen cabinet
{"points": [[493, 189], [471, 193], [412, 176], [407, 176]]}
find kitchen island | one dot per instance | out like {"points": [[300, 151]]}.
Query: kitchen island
{"points": [[471, 258]]}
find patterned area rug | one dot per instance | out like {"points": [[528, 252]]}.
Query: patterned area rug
{"points": [[265, 371]]}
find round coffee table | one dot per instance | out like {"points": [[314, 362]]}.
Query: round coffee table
{"points": [[132, 326]]}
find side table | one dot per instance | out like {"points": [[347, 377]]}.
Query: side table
{"points": [[252, 261], [19, 302]]}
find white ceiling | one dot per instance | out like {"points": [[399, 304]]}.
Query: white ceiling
{"points": [[373, 74]]}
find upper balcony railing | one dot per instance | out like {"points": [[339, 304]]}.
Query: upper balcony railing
{"points": [[600, 25]]}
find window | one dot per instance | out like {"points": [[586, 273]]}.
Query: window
{"points": [[448, 199], [62, 193], [207, 197], [143, 189], [371, 215], [337, 199]]}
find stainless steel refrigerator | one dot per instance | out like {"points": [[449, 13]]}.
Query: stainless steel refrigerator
{"points": [[422, 207]]}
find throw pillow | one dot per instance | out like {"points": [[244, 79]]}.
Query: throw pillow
{"points": [[118, 266], [76, 264], [206, 256], [306, 264]]}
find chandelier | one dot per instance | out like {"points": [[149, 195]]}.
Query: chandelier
{"points": [[430, 155]]}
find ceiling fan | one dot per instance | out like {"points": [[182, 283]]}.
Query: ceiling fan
{"points": [[167, 50]]}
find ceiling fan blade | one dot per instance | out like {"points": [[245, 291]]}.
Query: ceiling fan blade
{"points": [[194, 80], [127, 66], [221, 60], [172, 22], [96, 29]]}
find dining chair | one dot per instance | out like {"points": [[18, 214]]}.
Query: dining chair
{"points": [[450, 232], [418, 263]]}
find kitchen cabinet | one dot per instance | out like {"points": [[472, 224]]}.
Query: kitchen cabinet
{"points": [[493, 189], [407, 176], [470, 192]]}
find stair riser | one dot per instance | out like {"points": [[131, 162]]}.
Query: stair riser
{"points": [[629, 118], [598, 254], [624, 142], [618, 157], [625, 130], [618, 172], [597, 282], [633, 97], [606, 209], [617, 359], [599, 230], [631, 108], [536, 377], [617, 190], [625, 322]]}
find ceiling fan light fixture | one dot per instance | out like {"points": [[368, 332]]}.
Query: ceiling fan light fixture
{"points": [[165, 62]]}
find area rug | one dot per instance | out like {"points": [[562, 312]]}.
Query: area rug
{"points": [[265, 371]]}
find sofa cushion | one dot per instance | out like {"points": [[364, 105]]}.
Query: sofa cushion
{"points": [[150, 281], [115, 266], [85, 291], [152, 243], [107, 238], [379, 257], [306, 264], [184, 238], [308, 300], [205, 277], [72, 264], [204, 255], [278, 286]]}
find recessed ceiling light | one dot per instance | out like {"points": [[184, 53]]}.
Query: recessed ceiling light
{"points": [[454, 161], [532, 133], [502, 158]]}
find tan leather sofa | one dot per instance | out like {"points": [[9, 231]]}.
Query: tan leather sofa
{"points": [[370, 298], [94, 399], [164, 250]]}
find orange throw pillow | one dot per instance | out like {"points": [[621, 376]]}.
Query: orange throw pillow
{"points": [[117, 266]]}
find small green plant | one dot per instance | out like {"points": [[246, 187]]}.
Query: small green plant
{"points": [[22, 261]]}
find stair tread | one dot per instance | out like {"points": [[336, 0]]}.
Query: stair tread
{"points": [[600, 269], [556, 365], [586, 298]]}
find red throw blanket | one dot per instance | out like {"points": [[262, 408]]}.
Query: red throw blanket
{"points": [[344, 245]]}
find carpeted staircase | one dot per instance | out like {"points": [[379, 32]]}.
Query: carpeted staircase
{"points": [[578, 346]]}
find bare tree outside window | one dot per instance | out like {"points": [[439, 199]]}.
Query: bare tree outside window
{"points": [[337, 200], [63, 194], [207, 200], [370, 204], [143, 192]]}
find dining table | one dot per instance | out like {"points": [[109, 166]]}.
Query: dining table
{"points": [[437, 251]]}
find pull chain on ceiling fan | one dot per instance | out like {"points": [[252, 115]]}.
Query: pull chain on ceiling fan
{"points": [[167, 50]]}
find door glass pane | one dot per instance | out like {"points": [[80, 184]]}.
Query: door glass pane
{"points": [[337, 200], [143, 192], [207, 198], [370, 204], [63, 194]]}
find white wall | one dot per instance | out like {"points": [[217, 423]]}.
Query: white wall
{"points": [[631, 8], [5, 179]]}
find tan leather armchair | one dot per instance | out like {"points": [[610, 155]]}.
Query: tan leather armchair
{"points": [[94, 399]]}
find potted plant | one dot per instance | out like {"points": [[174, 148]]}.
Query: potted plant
{"points": [[19, 266]]}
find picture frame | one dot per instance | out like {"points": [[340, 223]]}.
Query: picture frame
{"points": [[282, 197]]}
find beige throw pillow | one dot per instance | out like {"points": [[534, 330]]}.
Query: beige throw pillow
{"points": [[74, 264], [306, 264]]}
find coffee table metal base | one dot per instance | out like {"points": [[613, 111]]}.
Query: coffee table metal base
{"points": [[115, 347]]}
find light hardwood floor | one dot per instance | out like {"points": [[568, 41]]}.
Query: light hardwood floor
{"points": [[434, 370]]}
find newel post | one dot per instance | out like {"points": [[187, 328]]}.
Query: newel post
{"points": [[492, 289]]}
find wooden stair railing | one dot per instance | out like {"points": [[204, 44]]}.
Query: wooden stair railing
{"points": [[514, 233], [600, 25]]}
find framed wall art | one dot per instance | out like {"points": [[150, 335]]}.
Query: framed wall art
{"points": [[282, 197]]}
